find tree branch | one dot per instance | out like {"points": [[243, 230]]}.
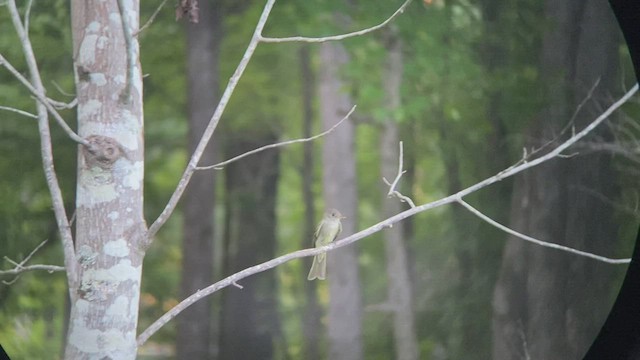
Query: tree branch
{"points": [[46, 150], [457, 197], [128, 40], [220, 166], [21, 112], [213, 123], [508, 230], [42, 99], [394, 184], [20, 268], [151, 19], [338, 37]]}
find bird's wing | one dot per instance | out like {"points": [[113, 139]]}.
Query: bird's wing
{"points": [[317, 233], [339, 231]]}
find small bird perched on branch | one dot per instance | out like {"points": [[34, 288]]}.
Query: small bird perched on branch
{"points": [[327, 231]]}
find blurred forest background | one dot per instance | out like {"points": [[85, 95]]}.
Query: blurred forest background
{"points": [[465, 84]]}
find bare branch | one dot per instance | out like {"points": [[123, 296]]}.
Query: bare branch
{"points": [[496, 224], [131, 52], [63, 105], [20, 268], [338, 37], [21, 112], [46, 148], [27, 16], [392, 186], [457, 197], [220, 166], [151, 19], [213, 123], [42, 98]]}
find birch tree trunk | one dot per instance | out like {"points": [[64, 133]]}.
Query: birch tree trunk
{"points": [[110, 230], [340, 192], [400, 295]]}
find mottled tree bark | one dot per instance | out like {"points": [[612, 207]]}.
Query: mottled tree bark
{"points": [[194, 338], [110, 229], [340, 192]]}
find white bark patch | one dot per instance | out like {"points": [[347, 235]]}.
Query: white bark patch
{"points": [[88, 50], [102, 43], [116, 248], [93, 27], [95, 186], [137, 80], [129, 136], [89, 109], [124, 271], [98, 79], [114, 215], [119, 308], [119, 79], [114, 17], [133, 179]]}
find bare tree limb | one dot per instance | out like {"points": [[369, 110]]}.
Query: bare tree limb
{"points": [[46, 149], [508, 230], [213, 123], [20, 268], [338, 37], [457, 197], [21, 112], [394, 184], [220, 166], [151, 19], [41, 97], [131, 52]]}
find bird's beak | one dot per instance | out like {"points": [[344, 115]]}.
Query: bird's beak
{"points": [[343, 217]]}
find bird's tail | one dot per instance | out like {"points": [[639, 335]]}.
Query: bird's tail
{"points": [[318, 268]]}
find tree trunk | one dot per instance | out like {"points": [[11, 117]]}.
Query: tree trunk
{"points": [[203, 44], [312, 312], [400, 295], [340, 192], [110, 229], [250, 323], [547, 304]]}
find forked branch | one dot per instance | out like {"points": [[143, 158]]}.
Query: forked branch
{"points": [[457, 197]]}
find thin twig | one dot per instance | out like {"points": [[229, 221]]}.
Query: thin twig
{"points": [[220, 166], [153, 328], [341, 36], [508, 230], [20, 268], [21, 112], [128, 40], [46, 148], [59, 88], [213, 123], [27, 16], [394, 184], [63, 105], [43, 100], [151, 19]]}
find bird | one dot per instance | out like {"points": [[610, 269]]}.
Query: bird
{"points": [[327, 231]]}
